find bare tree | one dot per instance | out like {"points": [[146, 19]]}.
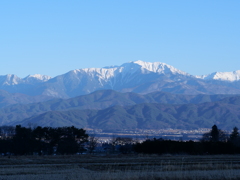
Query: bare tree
{"points": [[113, 144], [92, 143], [7, 131], [124, 144]]}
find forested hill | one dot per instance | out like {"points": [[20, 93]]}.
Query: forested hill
{"points": [[224, 113], [98, 100], [7, 98]]}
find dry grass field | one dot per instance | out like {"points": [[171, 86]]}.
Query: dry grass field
{"points": [[122, 167]]}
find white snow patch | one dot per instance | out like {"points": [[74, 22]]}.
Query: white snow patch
{"points": [[159, 67], [223, 76], [38, 77]]}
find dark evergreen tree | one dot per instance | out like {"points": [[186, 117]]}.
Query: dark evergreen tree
{"points": [[214, 134], [67, 146], [41, 135], [235, 138], [70, 137], [235, 134], [23, 141]]}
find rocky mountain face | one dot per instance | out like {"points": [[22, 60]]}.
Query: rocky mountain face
{"points": [[140, 77]]}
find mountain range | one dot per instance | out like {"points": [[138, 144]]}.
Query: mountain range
{"points": [[134, 95], [224, 113], [112, 110], [138, 76]]}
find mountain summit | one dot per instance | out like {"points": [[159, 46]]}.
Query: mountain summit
{"points": [[11, 79], [130, 68], [158, 67], [223, 76]]}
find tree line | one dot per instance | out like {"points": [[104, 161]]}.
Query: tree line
{"points": [[71, 140], [42, 140], [215, 141]]}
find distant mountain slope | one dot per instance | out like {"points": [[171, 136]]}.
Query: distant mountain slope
{"points": [[100, 100], [27, 85], [146, 116], [140, 77], [7, 99]]}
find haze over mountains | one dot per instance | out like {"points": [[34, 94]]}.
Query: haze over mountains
{"points": [[134, 95], [140, 77]]}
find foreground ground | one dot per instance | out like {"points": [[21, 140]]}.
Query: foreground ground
{"points": [[122, 167]]}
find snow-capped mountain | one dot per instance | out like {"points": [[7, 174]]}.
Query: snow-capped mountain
{"points": [[131, 68], [138, 76], [127, 77], [36, 78], [27, 85], [223, 76], [11, 79], [157, 67]]}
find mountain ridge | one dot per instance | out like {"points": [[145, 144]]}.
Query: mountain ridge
{"points": [[145, 116], [100, 100], [137, 76]]}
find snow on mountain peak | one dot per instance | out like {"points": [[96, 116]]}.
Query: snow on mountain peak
{"points": [[10, 79], [101, 73], [38, 77], [223, 76], [159, 67], [129, 68]]}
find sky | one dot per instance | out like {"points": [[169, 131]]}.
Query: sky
{"points": [[54, 37]]}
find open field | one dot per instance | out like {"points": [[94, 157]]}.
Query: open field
{"points": [[114, 167]]}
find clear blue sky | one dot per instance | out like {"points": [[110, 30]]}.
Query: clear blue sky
{"points": [[52, 37]]}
